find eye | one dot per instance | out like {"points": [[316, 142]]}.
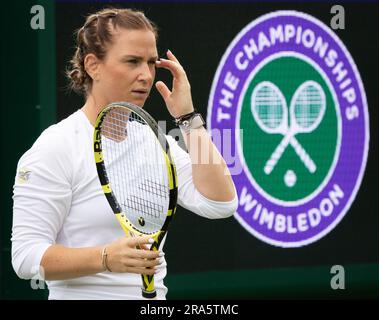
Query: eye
{"points": [[133, 61]]}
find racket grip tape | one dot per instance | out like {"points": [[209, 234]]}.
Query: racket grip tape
{"points": [[148, 290]]}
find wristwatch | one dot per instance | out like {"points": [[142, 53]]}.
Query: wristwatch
{"points": [[190, 121]]}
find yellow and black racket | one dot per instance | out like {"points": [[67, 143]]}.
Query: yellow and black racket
{"points": [[137, 174]]}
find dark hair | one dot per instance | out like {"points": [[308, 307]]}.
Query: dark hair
{"points": [[94, 37]]}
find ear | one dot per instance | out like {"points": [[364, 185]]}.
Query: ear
{"points": [[91, 65]]}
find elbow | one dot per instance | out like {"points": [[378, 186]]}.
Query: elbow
{"points": [[19, 262], [26, 265], [25, 273], [20, 271], [212, 209], [230, 204], [227, 209], [231, 208]]}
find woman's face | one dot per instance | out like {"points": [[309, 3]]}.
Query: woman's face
{"points": [[128, 70]]}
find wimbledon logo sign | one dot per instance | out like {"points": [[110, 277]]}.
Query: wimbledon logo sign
{"points": [[291, 95]]}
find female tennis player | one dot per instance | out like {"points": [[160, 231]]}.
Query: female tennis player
{"points": [[63, 226]]}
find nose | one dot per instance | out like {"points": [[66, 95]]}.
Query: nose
{"points": [[147, 73]]}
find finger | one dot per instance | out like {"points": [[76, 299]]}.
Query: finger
{"points": [[163, 90], [138, 241], [144, 247], [174, 67], [171, 56], [138, 270], [142, 263], [145, 254]]}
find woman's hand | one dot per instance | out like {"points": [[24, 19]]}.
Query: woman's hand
{"points": [[123, 256], [179, 99]]}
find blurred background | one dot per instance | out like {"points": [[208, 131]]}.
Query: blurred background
{"points": [[220, 259]]}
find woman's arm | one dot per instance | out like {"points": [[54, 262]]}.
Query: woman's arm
{"points": [[211, 177], [61, 263], [210, 173]]}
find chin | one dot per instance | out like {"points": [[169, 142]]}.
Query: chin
{"points": [[139, 103]]}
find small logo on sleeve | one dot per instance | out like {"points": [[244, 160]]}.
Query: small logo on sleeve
{"points": [[23, 175]]}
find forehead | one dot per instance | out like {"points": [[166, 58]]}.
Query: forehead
{"points": [[133, 42]]}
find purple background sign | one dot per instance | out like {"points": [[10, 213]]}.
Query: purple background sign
{"points": [[352, 158]]}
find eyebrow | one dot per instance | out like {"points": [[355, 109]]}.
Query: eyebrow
{"points": [[139, 57]]}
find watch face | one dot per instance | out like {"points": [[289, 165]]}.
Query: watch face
{"points": [[195, 122]]}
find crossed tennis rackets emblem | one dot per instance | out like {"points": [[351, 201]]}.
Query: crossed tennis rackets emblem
{"points": [[306, 111]]}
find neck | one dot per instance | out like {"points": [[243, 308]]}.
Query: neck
{"points": [[92, 108]]}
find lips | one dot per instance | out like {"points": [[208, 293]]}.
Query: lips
{"points": [[141, 91]]}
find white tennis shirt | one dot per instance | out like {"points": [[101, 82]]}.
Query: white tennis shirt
{"points": [[58, 200]]}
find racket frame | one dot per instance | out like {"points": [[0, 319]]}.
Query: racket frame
{"points": [[148, 290]]}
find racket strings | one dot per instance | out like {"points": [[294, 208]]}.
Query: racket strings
{"points": [[269, 107], [308, 106], [145, 207], [114, 126], [154, 188], [136, 167]]}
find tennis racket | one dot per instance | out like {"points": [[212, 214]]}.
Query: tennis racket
{"points": [[137, 174]]}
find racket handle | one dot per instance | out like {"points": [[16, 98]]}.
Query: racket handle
{"points": [[149, 295], [277, 154], [148, 290], [303, 155]]}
